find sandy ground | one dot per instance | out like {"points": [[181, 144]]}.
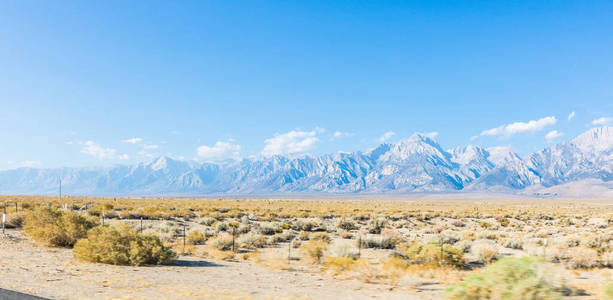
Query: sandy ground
{"points": [[55, 274]]}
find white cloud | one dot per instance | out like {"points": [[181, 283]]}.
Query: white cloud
{"points": [[149, 147], [99, 152], [571, 115], [295, 141], [552, 135], [386, 136], [520, 127], [432, 134], [602, 121], [145, 154], [27, 164], [135, 140], [339, 134], [221, 150]]}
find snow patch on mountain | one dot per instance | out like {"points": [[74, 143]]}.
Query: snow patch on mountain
{"points": [[417, 164]]}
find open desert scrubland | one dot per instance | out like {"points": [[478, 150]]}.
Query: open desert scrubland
{"points": [[139, 248]]}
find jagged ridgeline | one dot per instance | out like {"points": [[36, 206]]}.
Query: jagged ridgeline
{"points": [[417, 164]]}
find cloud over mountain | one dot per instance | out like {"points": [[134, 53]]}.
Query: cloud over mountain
{"points": [[417, 164]]}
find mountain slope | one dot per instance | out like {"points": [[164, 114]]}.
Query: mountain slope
{"points": [[417, 164], [590, 155]]}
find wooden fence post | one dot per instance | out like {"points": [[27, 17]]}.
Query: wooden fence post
{"points": [[359, 244], [184, 235], [289, 252], [233, 233]]}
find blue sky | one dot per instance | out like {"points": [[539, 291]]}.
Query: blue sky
{"points": [[95, 83]]}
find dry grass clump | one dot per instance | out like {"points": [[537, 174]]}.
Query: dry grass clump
{"points": [[122, 245], [270, 261], [337, 266], [213, 252], [314, 250], [222, 242], [376, 225], [183, 248], [14, 220], [394, 268], [508, 278], [432, 253], [386, 240], [56, 228], [252, 240], [582, 258], [351, 268], [321, 236], [345, 235], [196, 238], [341, 248], [484, 252], [347, 225], [304, 236]]}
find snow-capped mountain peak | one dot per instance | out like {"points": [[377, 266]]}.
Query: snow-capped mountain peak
{"points": [[595, 140], [417, 164]]}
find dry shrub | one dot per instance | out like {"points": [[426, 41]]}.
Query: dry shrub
{"points": [[340, 248], [347, 225], [394, 268], [196, 237], [351, 268], [122, 245], [14, 220], [267, 229], [485, 253], [364, 271], [513, 243], [433, 253], [379, 241], [346, 235], [252, 240], [304, 236], [463, 245], [314, 250], [375, 226], [321, 236], [213, 252], [606, 259], [56, 228], [270, 261], [208, 221], [222, 242], [221, 226], [338, 266], [184, 249], [582, 258], [508, 278]]}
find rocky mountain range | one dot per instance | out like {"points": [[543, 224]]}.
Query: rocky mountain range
{"points": [[417, 164]]}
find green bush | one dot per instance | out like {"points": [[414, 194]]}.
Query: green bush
{"points": [[54, 227], [431, 253], [122, 245], [508, 278]]}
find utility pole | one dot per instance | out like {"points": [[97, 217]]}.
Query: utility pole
{"points": [[60, 190]]}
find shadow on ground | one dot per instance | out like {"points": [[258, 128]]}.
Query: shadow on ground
{"points": [[195, 263]]}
